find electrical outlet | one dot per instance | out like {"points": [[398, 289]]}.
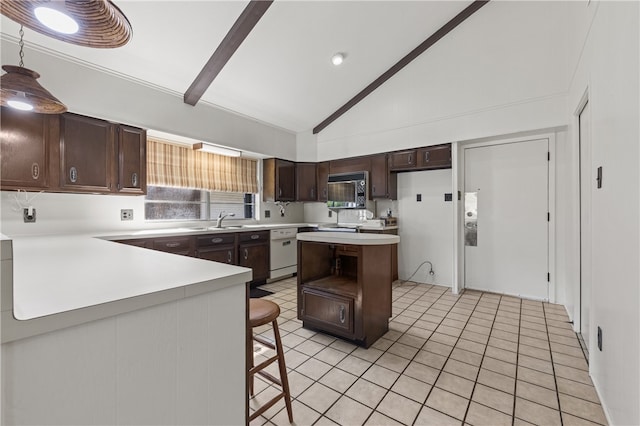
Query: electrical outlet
{"points": [[418, 197], [267, 214], [330, 213], [29, 215], [126, 214]]}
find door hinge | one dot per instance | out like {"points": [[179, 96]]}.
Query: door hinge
{"points": [[548, 217], [548, 277], [548, 155]]}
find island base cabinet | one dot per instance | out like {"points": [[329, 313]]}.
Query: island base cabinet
{"points": [[345, 289], [328, 311]]}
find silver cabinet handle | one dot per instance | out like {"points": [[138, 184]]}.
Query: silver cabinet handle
{"points": [[134, 180], [216, 240], [35, 171], [426, 156], [342, 314], [279, 192], [73, 175], [172, 245], [410, 158], [229, 256], [324, 192], [246, 254], [255, 236]]}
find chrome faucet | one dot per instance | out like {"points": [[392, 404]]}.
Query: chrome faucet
{"points": [[221, 216]]}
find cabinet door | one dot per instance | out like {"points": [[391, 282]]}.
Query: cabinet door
{"points": [[25, 143], [350, 165], [435, 157], [86, 154], [218, 254], [144, 242], [285, 180], [132, 160], [403, 160], [379, 178], [306, 188], [322, 177], [256, 257]]}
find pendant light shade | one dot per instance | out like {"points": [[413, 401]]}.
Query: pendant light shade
{"points": [[90, 23], [20, 90]]}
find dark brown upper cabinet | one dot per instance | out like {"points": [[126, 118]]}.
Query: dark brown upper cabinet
{"points": [[279, 180], [87, 154], [27, 143], [403, 160], [132, 164], [322, 177], [435, 157], [306, 185], [382, 183], [350, 165]]}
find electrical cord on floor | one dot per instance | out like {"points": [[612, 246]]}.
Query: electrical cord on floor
{"points": [[416, 271]]}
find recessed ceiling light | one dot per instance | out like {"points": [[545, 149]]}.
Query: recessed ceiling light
{"points": [[56, 20], [337, 59]]}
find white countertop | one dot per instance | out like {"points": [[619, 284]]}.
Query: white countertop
{"points": [[58, 274], [349, 238]]}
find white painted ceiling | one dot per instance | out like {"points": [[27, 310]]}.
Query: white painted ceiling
{"points": [[282, 73]]}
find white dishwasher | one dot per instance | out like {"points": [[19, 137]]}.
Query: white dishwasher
{"points": [[284, 253]]}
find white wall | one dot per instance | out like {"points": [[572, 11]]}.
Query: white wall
{"points": [[606, 37], [425, 227], [502, 71], [88, 91]]}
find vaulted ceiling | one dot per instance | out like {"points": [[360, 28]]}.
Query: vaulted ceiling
{"points": [[282, 72]]}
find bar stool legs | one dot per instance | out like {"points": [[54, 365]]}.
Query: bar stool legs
{"points": [[262, 312]]}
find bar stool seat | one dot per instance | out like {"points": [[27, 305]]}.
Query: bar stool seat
{"points": [[262, 312]]}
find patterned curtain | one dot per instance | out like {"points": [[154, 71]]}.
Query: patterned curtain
{"points": [[179, 166]]}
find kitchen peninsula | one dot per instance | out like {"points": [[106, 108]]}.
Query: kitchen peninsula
{"points": [[344, 283], [96, 332]]}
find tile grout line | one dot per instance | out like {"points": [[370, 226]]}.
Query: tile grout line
{"points": [[475, 382], [553, 367], [515, 381]]}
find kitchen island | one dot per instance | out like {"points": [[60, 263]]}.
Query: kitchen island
{"points": [[96, 332], [344, 283]]}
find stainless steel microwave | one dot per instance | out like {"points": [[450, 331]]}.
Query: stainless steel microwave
{"points": [[347, 191]]}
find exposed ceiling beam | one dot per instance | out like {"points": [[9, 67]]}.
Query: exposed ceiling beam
{"points": [[443, 31], [234, 38]]}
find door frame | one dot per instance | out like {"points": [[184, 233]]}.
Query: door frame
{"points": [[577, 299], [459, 259]]}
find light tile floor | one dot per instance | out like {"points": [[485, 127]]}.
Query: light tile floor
{"points": [[476, 358]]}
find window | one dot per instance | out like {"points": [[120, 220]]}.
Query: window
{"points": [[165, 203], [183, 184]]}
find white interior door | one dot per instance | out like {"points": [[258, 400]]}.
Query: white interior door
{"points": [[585, 223], [511, 182]]}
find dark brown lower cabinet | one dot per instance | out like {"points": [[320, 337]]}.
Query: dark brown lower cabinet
{"points": [[345, 289], [253, 252], [394, 250], [217, 247]]}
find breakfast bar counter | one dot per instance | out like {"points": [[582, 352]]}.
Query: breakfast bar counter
{"points": [[97, 332]]}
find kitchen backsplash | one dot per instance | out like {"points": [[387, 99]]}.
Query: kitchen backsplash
{"points": [[89, 213]]}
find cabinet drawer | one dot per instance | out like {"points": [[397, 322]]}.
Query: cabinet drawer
{"points": [[260, 236], [177, 245], [215, 240], [332, 312]]}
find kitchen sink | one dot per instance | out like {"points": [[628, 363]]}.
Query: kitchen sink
{"points": [[213, 228]]}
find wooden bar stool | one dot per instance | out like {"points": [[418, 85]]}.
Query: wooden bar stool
{"points": [[263, 312]]}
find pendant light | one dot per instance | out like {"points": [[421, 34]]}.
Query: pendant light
{"points": [[20, 90], [89, 23]]}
